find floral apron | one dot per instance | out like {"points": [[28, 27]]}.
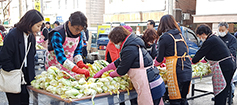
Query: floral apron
{"points": [[218, 79], [171, 62], [69, 47]]}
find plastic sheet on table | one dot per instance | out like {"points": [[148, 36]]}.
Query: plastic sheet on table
{"points": [[41, 97]]}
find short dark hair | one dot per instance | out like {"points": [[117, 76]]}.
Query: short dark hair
{"points": [[224, 24], [167, 22], [79, 19], [47, 23], [118, 34], [30, 18], [203, 28], [152, 22], [149, 35], [56, 22]]}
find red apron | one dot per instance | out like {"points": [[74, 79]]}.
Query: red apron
{"points": [[69, 47], [140, 82]]}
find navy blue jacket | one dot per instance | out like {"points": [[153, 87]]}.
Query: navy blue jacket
{"points": [[13, 53], [166, 49], [230, 41]]}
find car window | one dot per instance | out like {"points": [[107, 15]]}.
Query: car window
{"points": [[94, 38]]}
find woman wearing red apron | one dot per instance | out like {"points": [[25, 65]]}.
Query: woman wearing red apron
{"points": [[220, 59], [138, 64], [65, 45], [178, 65]]}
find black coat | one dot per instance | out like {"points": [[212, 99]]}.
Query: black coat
{"points": [[166, 49], [129, 55], [230, 41], [215, 49], [13, 53]]}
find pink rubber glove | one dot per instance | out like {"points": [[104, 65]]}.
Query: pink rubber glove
{"points": [[164, 60], [111, 66], [156, 63], [203, 61], [114, 74], [163, 65]]}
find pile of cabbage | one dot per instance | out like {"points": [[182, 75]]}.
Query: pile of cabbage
{"points": [[61, 83], [200, 69]]}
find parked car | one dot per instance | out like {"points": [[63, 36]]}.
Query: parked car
{"points": [[191, 39]]}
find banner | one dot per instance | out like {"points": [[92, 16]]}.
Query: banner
{"points": [[103, 29], [37, 5]]}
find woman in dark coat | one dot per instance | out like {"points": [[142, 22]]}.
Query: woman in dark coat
{"points": [[138, 64], [14, 49], [174, 49], [222, 64]]}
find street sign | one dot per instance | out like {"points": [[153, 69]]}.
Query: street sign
{"points": [[59, 19], [37, 5], [47, 19]]}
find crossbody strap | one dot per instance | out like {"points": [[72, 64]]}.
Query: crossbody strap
{"points": [[22, 75]]}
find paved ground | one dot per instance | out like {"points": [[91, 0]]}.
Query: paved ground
{"points": [[204, 84]]}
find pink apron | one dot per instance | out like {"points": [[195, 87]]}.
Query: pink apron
{"points": [[140, 82], [69, 47], [218, 79]]}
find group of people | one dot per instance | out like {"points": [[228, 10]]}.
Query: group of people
{"points": [[127, 53]]}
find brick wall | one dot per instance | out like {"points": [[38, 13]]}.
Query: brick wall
{"points": [[187, 6]]}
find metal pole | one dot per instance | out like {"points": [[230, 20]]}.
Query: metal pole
{"points": [[170, 7]]}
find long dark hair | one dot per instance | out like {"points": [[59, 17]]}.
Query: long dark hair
{"points": [[28, 20], [167, 22]]}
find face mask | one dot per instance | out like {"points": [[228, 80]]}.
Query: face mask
{"points": [[202, 39], [117, 46], [222, 34]]}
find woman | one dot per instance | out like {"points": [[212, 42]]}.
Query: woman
{"points": [[65, 46], [15, 44], [137, 62], [112, 53], [219, 57], [149, 37], [173, 47]]}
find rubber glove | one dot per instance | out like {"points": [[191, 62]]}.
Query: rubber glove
{"points": [[114, 74], [78, 59], [74, 68], [111, 66], [163, 65], [156, 63], [80, 64], [77, 70], [203, 61]]}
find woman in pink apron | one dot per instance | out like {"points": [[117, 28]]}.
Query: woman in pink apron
{"points": [[220, 59], [65, 45], [138, 64]]}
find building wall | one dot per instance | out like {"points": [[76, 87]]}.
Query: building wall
{"points": [[187, 6], [95, 10], [213, 7]]}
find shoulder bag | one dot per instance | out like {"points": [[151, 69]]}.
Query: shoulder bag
{"points": [[11, 82]]}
